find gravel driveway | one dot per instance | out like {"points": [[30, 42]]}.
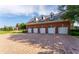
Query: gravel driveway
{"points": [[35, 43]]}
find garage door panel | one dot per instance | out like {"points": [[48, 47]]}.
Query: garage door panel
{"points": [[35, 30], [63, 30], [29, 30], [42, 30], [51, 30]]}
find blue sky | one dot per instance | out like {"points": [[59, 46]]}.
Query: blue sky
{"points": [[10, 15]]}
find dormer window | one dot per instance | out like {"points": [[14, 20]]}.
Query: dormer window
{"points": [[34, 18], [37, 19], [43, 17], [51, 14]]}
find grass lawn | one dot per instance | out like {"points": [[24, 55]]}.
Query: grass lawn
{"points": [[11, 32]]}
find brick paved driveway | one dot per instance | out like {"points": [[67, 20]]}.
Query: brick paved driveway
{"points": [[34, 43]]}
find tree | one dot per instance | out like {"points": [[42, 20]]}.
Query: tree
{"points": [[17, 26], [70, 12], [22, 26]]}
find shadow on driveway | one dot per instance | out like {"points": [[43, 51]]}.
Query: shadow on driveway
{"points": [[47, 41]]}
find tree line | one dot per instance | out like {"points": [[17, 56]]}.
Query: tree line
{"points": [[21, 26]]}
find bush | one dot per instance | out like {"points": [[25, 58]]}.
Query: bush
{"points": [[24, 31], [74, 32]]}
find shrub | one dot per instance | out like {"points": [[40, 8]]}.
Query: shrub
{"points": [[24, 31], [74, 32]]}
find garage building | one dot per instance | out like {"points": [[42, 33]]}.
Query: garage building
{"points": [[48, 26]]}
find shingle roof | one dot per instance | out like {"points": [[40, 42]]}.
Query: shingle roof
{"points": [[44, 18]]}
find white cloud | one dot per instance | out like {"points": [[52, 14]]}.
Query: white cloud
{"points": [[18, 10], [25, 9], [43, 10]]}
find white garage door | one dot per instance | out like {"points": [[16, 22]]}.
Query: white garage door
{"points": [[35, 30], [42, 30], [51, 30], [63, 30], [29, 30]]}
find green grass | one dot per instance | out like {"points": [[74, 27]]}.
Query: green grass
{"points": [[4, 32], [11, 32]]}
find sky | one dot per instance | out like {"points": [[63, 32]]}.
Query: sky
{"points": [[10, 15]]}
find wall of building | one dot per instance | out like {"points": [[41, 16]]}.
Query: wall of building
{"points": [[50, 24]]}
